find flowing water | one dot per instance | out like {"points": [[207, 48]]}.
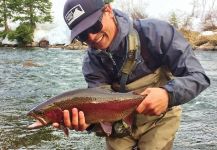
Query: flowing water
{"points": [[29, 76]]}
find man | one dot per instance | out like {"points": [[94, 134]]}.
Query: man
{"points": [[165, 70]]}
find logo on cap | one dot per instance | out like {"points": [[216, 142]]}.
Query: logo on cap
{"points": [[73, 14]]}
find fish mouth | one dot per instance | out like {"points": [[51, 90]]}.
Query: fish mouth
{"points": [[40, 118]]}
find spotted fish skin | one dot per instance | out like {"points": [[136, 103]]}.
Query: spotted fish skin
{"points": [[98, 104]]}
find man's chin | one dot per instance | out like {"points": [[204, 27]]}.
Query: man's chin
{"points": [[98, 47]]}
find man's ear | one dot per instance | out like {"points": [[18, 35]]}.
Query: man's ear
{"points": [[107, 8]]}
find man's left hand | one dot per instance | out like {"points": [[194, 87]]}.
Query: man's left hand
{"points": [[155, 103]]}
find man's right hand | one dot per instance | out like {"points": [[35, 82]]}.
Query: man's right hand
{"points": [[76, 122]]}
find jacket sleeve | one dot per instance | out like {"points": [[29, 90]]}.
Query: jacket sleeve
{"points": [[93, 71], [168, 47]]}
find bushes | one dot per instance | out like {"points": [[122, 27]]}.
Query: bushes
{"points": [[23, 34], [197, 40], [212, 39], [191, 36], [3, 34], [201, 40]]}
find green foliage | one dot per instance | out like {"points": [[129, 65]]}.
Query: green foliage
{"points": [[5, 13], [33, 11], [23, 34], [28, 12], [1, 23], [3, 34]]}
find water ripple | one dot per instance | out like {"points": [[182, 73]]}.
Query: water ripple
{"points": [[53, 71]]}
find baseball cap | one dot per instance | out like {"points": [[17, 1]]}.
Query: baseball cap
{"points": [[79, 15]]}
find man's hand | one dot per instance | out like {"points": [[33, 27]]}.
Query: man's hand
{"points": [[155, 103], [77, 122]]}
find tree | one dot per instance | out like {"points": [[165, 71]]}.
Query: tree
{"points": [[133, 8], [33, 11], [23, 34], [174, 20], [5, 13], [28, 13], [1, 22], [209, 20]]}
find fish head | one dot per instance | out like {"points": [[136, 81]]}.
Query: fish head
{"points": [[47, 115]]}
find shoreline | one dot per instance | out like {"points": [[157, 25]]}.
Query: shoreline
{"points": [[81, 46], [72, 46]]}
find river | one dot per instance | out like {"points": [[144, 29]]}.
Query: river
{"points": [[29, 76]]}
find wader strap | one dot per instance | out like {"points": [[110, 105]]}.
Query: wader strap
{"points": [[130, 62], [146, 55]]}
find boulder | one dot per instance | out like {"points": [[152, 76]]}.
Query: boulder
{"points": [[43, 43]]}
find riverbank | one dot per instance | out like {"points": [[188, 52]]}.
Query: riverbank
{"points": [[206, 40], [199, 41], [76, 45]]}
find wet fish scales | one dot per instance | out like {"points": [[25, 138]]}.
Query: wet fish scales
{"points": [[98, 105]]}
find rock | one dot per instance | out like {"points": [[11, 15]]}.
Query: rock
{"points": [[43, 43], [57, 46], [30, 63], [35, 44], [76, 45]]}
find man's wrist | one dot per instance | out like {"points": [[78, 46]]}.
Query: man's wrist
{"points": [[170, 97]]}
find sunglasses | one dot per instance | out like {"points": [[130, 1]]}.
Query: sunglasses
{"points": [[97, 27]]}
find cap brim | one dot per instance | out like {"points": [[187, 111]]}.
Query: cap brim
{"points": [[85, 24]]}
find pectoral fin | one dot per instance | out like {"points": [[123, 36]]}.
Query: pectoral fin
{"points": [[129, 119], [106, 127], [65, 130]]}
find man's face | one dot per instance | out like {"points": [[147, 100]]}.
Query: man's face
{"points": [[104, 37]]}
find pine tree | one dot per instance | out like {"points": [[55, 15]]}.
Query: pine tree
{"points": [[33, 11], [5, 13], [29, 13], [174, 20]]}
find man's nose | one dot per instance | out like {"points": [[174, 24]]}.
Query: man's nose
{"points": [[91, 36]]}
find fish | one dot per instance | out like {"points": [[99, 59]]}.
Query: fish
{"points": [[100, 105]]}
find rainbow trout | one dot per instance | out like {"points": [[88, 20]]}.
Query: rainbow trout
{"points": [[100, 105]]}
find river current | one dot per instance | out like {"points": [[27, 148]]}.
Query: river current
{"points": [[27, 77]]}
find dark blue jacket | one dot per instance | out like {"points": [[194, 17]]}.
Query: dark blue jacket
{"points": [[165, 45]]}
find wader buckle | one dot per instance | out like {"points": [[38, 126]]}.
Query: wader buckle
{"points": [[131, 55]]}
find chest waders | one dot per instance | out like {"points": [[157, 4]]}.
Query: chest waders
{"points": [[156, 79]]}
